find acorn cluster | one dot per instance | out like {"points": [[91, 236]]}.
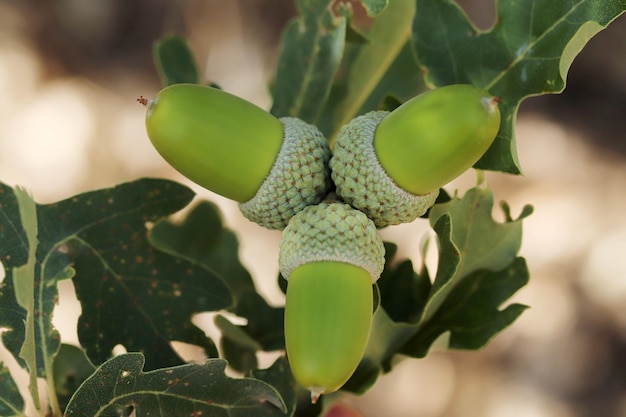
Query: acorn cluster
{"points": [[384, 169]]}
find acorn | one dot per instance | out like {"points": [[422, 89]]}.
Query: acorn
{"points": [[272, 167], [390, 165], [331, 254]]}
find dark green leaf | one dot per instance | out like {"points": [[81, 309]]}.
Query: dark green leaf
{"points": [[311, 50], [282, 284], [471, 313], [71, 367], [120, 388], [11, 402], [279, 376], [478, 271], [174, 61], [528, 52], [130, 293], [201, 238], [403, 292]]}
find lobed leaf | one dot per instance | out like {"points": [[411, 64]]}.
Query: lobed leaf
{"points": [[478, 271], [528, 52], [471, 313], [476, 242], [202, 239], [130, 293], [120, 387]]}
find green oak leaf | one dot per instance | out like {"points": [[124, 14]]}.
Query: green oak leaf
{"points": [[120, 387], [403, 292], [478, 270], [175, 61], [311, 50], [130, 293], [11, 402], [527, 53], [471, 313], [476, 242], [201, 238]]}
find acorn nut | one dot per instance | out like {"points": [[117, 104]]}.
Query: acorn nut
{"points": [[272, 167], [331, 254], [391, 165]]}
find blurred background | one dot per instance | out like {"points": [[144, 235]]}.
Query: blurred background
{"points": [[70, 71]]}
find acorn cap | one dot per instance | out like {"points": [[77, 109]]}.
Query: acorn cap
{"points": [[299, 177], [362, 181], [331, 231]]}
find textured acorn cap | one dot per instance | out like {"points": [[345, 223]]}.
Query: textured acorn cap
{"points": [[331, 231], [363, 183], [299, 177]]}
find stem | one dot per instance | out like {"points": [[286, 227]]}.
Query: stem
{"points": [[52, 394]]}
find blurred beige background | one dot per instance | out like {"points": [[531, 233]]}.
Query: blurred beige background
{"points": [[70, 71]]}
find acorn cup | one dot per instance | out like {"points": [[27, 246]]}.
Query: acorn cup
{"points": [[331, 254], [272, 167], [391, 165]]}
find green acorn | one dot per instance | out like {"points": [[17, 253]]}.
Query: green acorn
{"points": [[331, 254], [391, 165], [272, 167]]}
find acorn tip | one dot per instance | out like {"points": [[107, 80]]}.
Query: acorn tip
{"points": [[315, 394], [142, 100]]}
